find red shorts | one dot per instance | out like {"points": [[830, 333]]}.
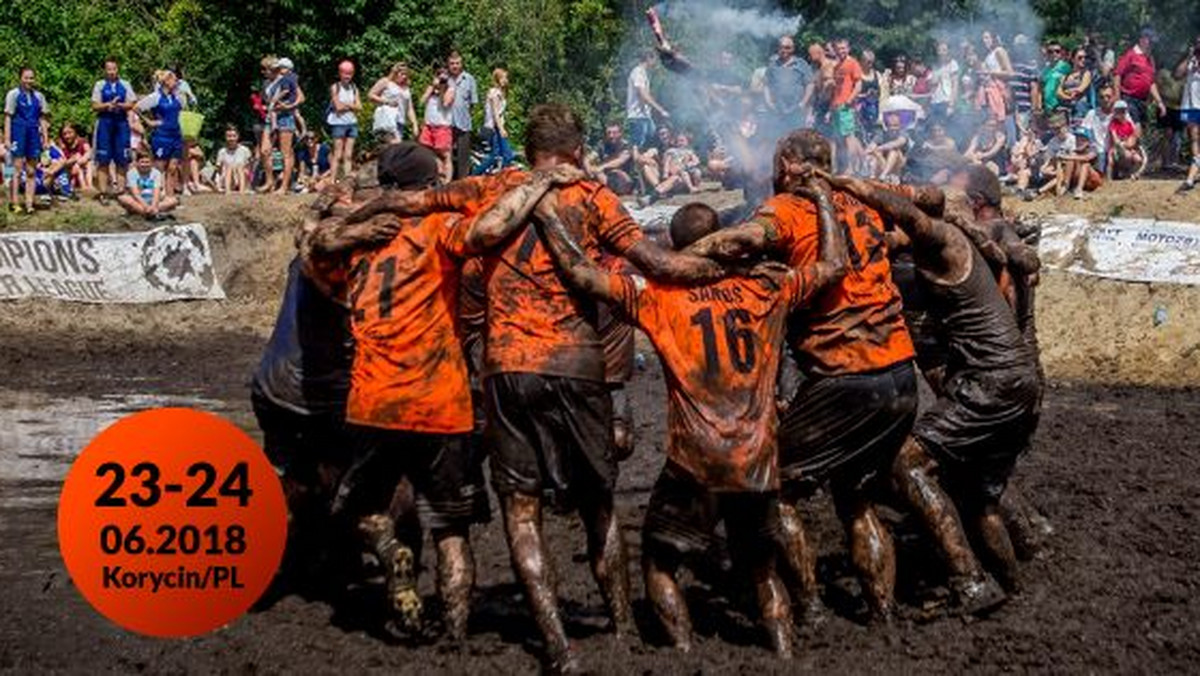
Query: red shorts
{"points": [[437, 137]]}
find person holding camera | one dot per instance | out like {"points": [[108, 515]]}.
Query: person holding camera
{"points": [[438, 132]]}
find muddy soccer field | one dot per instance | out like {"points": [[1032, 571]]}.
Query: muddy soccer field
{"points": [[1116, 467]]}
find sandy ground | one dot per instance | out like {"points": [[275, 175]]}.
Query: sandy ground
{"points": [[1115, 467]]}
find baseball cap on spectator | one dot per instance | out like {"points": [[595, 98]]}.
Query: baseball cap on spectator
{"points": [[285, 64], [407, 166], [1121, 105]]}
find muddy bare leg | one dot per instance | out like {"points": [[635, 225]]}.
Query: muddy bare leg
{"points": [[800, 559], [872, 552], [526, 544], [456, 578], [997, 547], [606, 549], [1027, 527], [775, 607], [913, 471], [669, 604]]}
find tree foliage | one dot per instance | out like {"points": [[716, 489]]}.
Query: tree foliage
{"points": [[576, 51]]}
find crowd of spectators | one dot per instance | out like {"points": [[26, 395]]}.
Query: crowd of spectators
{"points": [[1046, 118], [145, 151]]}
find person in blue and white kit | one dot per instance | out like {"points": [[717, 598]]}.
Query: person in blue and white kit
{"points": [[25, 135], [112, 99], [166, 141]]}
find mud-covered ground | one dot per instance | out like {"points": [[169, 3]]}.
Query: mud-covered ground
{"points": [[1116, 468], [1118, 471]]}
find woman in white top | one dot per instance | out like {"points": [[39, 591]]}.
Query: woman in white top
{"points": [[438, 133], [495, 125], [394, 105], [944, 81], [342, 119], [996, 62], [1188, 71]]}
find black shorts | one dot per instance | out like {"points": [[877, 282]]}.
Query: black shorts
{"points": [[978, 429], [550, 436], [682, 518], [300, 445], [846, 429], [445, 471]]}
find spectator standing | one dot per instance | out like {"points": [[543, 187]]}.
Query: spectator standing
{"points": [[996, 60], [823, 63], [284, 97], [258, 106], [897, 81], [166, 141], [1188, 71], [1023, 84], [112, 99], [495, 124], [342, 119], [868, 96], [944, 81], [233, 161], [1056, 69], [26, 131], [466, 96], [1074, 92], [847, 75], [788, 90], [1134, 78], [438, 132], [640, 104], [393, 106]]}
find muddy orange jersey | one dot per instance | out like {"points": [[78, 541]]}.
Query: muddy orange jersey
{"points": [[409, 372], [469, 196], [534, 324], [857, 325], [720, 346]]}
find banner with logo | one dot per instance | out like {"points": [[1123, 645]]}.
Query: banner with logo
{"points": [[1131, 249], [173, 262]]}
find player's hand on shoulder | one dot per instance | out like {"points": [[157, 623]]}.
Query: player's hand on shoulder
{"points": [[562, 174], [547, 207]]}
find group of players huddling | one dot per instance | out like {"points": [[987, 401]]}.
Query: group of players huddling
{"points": [[412, 305]]}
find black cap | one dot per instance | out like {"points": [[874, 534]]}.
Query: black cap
{"points": [[407, 166]]}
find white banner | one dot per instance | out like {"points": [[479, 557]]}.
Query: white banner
{"points": [[173, 262], [1131, 249]]}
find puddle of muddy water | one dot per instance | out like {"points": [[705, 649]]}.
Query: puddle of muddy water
{"points": [[40, 435]]}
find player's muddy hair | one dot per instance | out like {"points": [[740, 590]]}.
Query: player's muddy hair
{"points": [[693, 222], [800, 146], [552, 129], [982, 186]]}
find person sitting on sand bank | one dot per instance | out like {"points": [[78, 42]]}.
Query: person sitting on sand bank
{"points": [[144, 195]]}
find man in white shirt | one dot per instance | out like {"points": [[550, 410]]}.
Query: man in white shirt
{"points": [[1096, 122], [466, 96], [640, 104], [232, 160]]}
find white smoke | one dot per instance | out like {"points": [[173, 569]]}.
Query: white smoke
{"points": [[724, 21]]}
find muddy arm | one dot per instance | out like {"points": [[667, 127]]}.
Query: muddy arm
{"points": [[739, 241], [577, 270], [674, 267]]}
